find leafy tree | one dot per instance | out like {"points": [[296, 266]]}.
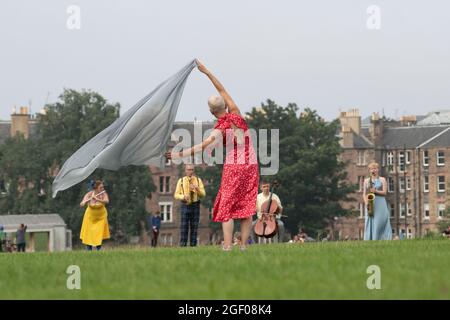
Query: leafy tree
{"points": [[29, 166]]}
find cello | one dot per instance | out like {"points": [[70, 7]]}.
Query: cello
{"points": [[267, 225]]}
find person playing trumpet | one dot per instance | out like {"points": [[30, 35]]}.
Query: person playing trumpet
{"points": [[377, 224]]}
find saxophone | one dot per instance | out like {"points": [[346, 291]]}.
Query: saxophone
{"points": [[191, 193], [370, 199]]}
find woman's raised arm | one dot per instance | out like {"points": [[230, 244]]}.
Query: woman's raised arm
{"points": [[232, 107]]}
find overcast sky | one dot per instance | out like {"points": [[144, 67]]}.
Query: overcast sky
{"points": [[319, 54]]}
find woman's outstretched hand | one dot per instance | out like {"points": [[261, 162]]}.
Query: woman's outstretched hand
{"points": [[201, 67], [168, 155]]}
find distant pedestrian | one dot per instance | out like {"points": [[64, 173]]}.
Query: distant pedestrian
{"points": [[156, 225], [2, 238], [20, 238]]}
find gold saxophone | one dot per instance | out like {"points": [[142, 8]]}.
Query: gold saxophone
{"points": [[370, 200], [191, 193]]}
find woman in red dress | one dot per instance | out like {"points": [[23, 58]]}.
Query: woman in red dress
{"points": [[238, 190]]}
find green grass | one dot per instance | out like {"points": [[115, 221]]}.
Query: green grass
{"points": [[412, 269]]}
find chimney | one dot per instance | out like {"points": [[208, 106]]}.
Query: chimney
{"points": [[351, 119], [20, 122], [347, 137], [407, 121], [376, 128]]}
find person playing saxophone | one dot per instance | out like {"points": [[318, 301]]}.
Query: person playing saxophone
{"points": [[377, 224]]}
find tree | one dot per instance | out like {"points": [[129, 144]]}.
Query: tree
{"points": [[312, 179], [29, 166]]}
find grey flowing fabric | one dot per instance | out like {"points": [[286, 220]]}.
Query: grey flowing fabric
{"points": [[138, 137]]}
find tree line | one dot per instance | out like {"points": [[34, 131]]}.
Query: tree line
{"points": [[312, 178]]}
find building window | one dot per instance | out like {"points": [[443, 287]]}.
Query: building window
{"points": [[440, 158], [426, 184], [168, 184], [3, 188], [166, 211], [166, 239], [391, 185], [164, 184], [390, 158], [361, 183], [401, 161], [441, 183], [392, 210], [401, 184], [408, 209], [361, 158], [441, 211], [408, 157], [426, 211], [383, 159], [408, 183], [409, 234], [426, 158], [402, 210]]}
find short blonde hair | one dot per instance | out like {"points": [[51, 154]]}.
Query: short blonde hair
{"points": [[216, 104], [373, 164]]}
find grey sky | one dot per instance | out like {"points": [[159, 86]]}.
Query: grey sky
{"points": [[315, 53]]}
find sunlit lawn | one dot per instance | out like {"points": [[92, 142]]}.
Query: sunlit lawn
{"points": [[410, 269]]}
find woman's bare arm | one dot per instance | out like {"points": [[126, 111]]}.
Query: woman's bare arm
{"points": [[213, 138], [86, 199], [382, 192], [232, 107]]}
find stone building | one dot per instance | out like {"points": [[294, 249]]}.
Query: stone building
{"points": [[414, 156]]}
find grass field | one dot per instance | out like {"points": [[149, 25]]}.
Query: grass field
{"points": [[410, 269]]}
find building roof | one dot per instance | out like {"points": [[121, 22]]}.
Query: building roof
{"points": [[361, 141], [411, 137], [442, 140], [435, 118], [33, 221]]}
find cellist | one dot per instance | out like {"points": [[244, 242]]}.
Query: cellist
{"points": [[261, 198]]}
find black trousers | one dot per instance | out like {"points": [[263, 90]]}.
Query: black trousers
{"points": [[155, 234], [21, 247], [190, 218]]}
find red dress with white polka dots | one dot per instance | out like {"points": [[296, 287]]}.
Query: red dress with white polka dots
{"points": [[238, 190]]}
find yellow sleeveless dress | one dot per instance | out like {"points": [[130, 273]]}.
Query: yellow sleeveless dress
{"points": [[95, 227]]}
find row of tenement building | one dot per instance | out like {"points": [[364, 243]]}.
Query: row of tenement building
{"points": [[413, 153]]}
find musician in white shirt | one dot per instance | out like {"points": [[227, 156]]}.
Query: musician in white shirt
{"points": [[263, 197]]}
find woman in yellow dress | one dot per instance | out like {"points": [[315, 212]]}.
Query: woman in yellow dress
{"points": [[95, 226]]}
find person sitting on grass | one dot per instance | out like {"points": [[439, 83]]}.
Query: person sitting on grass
{"points": [[446, 232]]}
